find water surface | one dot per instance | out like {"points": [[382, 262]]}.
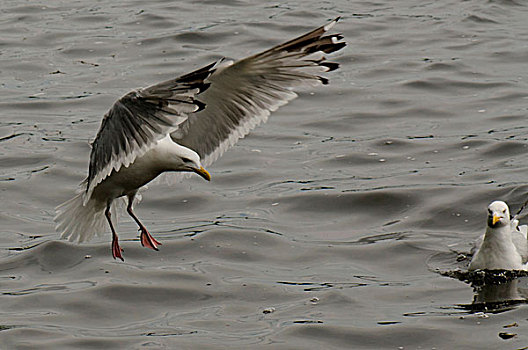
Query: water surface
{"points": [[327, 227]]}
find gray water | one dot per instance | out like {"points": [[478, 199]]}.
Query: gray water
{"points": [[327, 227]]}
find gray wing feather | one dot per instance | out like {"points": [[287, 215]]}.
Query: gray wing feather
{"points": [[242, 95]]}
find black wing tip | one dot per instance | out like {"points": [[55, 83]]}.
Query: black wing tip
{"points": [[199, 74], [323, 80], [330, 24], [332, 47], [325, 47], [200, 105], [331, 66], [315, 41], [203, 87]]}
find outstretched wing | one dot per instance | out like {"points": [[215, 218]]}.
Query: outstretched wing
{"points": [[244, 93], [138, 120]]}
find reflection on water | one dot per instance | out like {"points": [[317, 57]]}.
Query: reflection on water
{"points": [[494, 291], [497, 297]]}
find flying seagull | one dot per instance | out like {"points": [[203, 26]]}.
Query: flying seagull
{"points": [[504, 246], [184, 124]]}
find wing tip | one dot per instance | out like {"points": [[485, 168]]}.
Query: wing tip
{"points": [[331, 24], [200, 105], [330, 66]]}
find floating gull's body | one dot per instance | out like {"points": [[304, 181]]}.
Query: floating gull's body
{"points": [[184, 124], [504, 246]]}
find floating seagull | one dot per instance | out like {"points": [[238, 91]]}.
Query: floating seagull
{"points": [[184, 124], [504, 246]]}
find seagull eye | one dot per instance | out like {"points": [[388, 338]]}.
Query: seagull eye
{"points": [[186, 160], [504, 210]]}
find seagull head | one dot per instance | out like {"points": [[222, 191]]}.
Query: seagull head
{"points": [[498, 214], [194, 165], [189, 161]]}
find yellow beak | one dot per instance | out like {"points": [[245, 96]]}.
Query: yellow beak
{"points": [[203, 173], [495, 219]]}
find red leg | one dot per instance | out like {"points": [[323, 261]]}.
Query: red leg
{"points": [[146, 238], [116, 249]]}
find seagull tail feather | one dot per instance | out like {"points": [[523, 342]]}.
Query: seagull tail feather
{"points": [[79, 222]]}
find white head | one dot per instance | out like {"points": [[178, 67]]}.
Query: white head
{"points": [[176, 157], [190, 161], [498, 214]]}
